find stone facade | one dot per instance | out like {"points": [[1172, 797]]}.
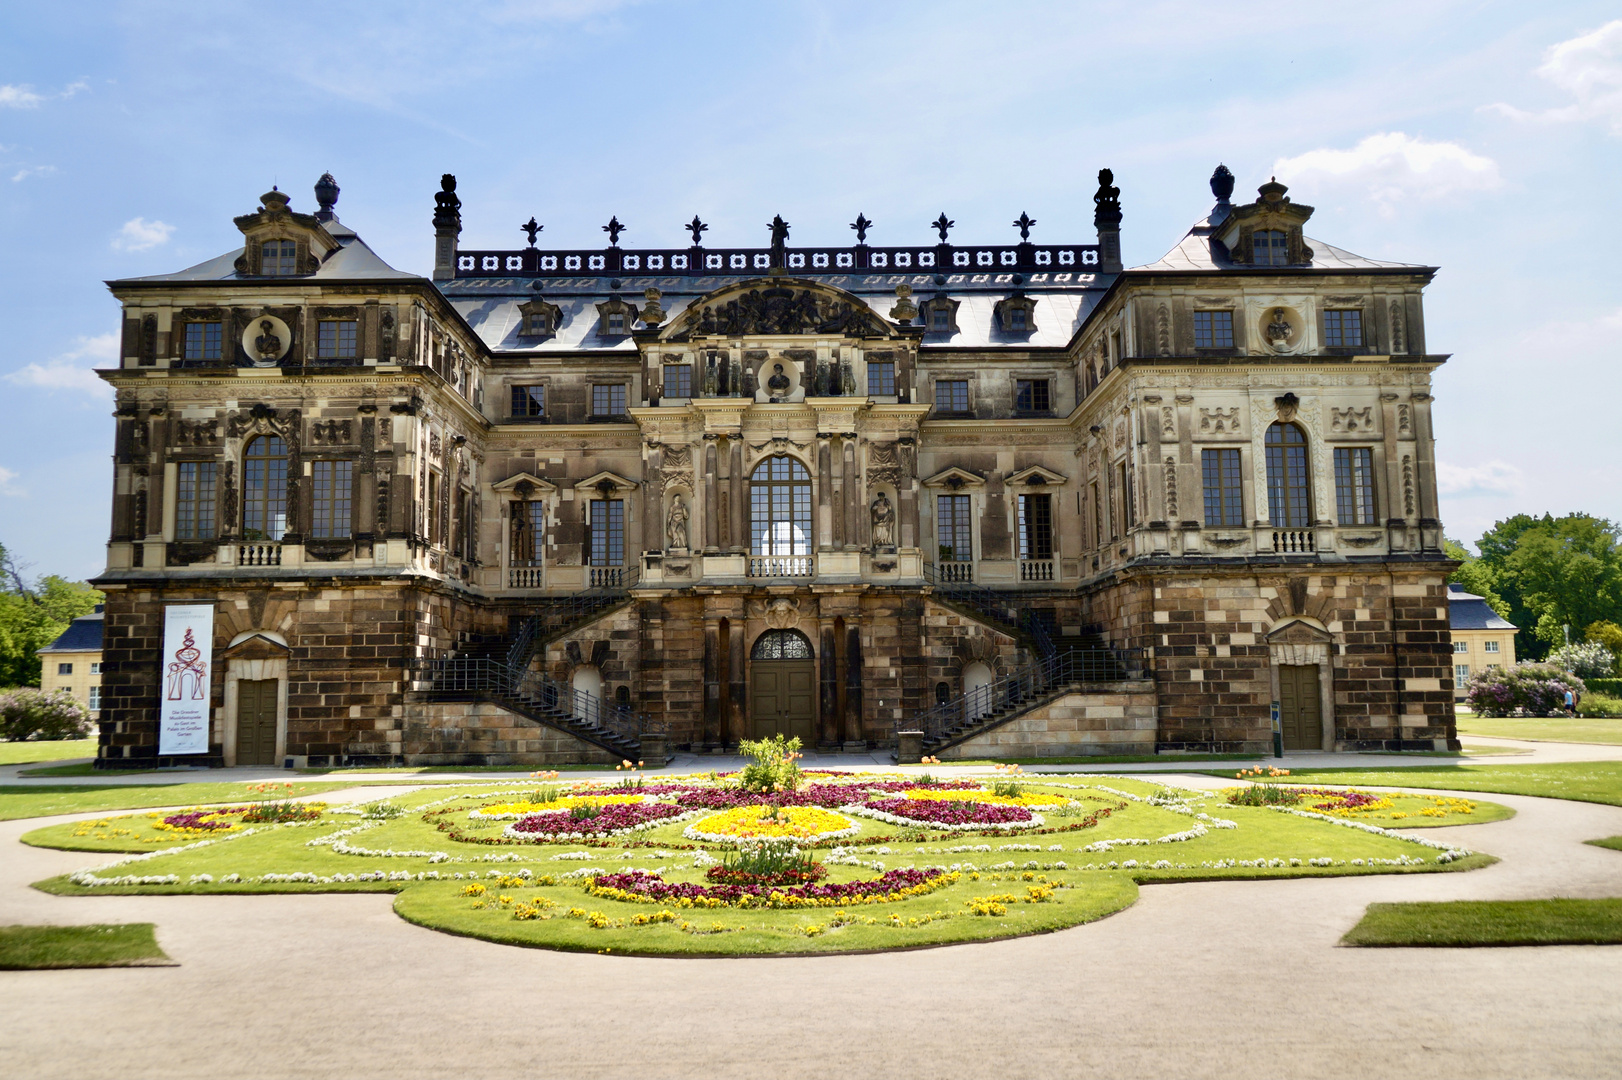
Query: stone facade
{"points": [[720, 493]]}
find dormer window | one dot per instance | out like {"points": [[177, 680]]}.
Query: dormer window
{"points": [[1269, 247], [616, 322], [940, 314], [940, 319], [1016, 315], [278, 258], [1017, 318], [539, 318], [615, 318]]}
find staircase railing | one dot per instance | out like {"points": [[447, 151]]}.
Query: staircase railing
{"points": [[1026, 685], [988, 602], [533, 692]]}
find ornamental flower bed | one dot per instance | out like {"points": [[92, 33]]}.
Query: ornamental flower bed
{"points": [[827, 796], [804, 823], [1026, 799], [953, 814], [646, 887], [200, 821], [513, 810], [611, 820]]}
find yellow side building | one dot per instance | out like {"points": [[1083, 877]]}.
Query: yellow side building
{"points": [[73, 661], [1482, 638]]}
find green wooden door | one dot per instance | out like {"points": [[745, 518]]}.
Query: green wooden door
{"points": [[256, 721], [1300, 706]]}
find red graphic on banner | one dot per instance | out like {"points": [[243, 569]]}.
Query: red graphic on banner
{"points": [[187, 671]]}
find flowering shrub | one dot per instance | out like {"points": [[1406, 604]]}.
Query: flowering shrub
{"points": [[773, 768], [1589, 660], [27, 713], [1530, 689], [611, 820], [767, 864]]}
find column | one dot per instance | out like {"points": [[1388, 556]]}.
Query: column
{"points": [[855, 505], [653, 518], [737, 688], [825, 493], [713, 731], [853, 685], [712, 522], [906, 490], [736, 529], [828, 658]]}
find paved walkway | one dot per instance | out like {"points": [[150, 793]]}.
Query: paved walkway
{"points": [[1212, 979]]}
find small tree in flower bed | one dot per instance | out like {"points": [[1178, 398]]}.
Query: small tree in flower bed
{"points": [[773, 767], [1529, 689], [763, 863]]}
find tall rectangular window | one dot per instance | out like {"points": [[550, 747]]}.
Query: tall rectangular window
{"points": [[202, 341], [1354, 485], [1343, 329], [608, 400], [1129, 512], [881, 378], [1461, 674], [433, 508], [529, 401], [1461, 646], [607, 532], [1213, 329], [1031, 395], [679, 380], [95, 699], [1269, 248], [529, 532], [333, 490], [1098, 517], [335, 339], [278, 258], [952, 395], [1036, 527], [952, 528], [1220, 470], [194, 501]]}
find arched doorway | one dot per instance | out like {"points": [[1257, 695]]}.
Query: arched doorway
{"points": [[782, 687], [976, 690]]}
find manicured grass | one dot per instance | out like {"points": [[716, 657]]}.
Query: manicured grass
{"points": [[1581, 781], [86, 768], [44, 800], [1490, 922], [1612, 842], [25, 948], [432, 869], [20, 753], [344, 770], [1539, 729], [1103, 759]]}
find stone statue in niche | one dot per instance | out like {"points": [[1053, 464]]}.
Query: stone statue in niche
{"points": [[883, 514], [1278, 331], [847, 380], [777, 384], [820, 384], [676, 525], [268, 345]]}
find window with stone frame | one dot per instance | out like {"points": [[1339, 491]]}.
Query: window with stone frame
{"points": [[537, 318], [952, 529], [952, 395], [1354, 485], [333, 498], [940, 318], [1032, 396], [432, 509], [278, 258], [202, 341], [1035, 527], [608, 399], [1269, 247], [606, 532], [264, 488], [1129, 510], [1220, 471], [335, 339], [528, 401], [780, 507], [529, 530], [881, 378], [1213, 329], [1098, 516], [1016, 314], [194, 500], [1343, 328], [1289, 487], [678, 380]]}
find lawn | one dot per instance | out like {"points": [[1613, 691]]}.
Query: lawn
{"points": [[34, 947], [1612, 842], [1490, 922], [1541, 729], [21, 753], [458, 872], [1581, 781], [44, 800]]}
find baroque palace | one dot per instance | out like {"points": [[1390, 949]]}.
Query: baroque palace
{"points": [[961, 499]]}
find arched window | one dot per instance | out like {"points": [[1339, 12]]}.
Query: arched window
{"points": [[264, 489], [781, 645], [780, 508], [1268, 248], [1289, 491]]}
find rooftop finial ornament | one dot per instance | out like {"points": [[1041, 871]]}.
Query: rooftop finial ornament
{"points": [[861, 225], [531, 228], [613, 229], [698, 229], [1222, 183], [326, 194], [1024, 225], [941, 225]]}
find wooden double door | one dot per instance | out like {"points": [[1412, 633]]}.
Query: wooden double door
{"points": [[1300, 707], [783, 699], [256, 721]]}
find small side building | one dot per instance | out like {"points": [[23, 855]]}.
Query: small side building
{"points": [[1481, 637], [73, 661]]}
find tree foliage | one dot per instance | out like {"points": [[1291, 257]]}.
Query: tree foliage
{"points": [[32, 615]]}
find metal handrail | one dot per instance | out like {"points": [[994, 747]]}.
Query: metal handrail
{"points": [[1038, 630], [535, 692], [987, 602], [1025, 686]]}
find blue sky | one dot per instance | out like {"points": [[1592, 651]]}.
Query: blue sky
{"points": [[1484, 138]]}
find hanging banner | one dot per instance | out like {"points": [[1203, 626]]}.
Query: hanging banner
{"points": [[188, 658]]}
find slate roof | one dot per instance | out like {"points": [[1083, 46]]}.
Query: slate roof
{"points": [[1467, 611], [353, 261], [1198, 252], [82, 635]]}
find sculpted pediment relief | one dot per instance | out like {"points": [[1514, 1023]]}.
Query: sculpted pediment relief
{"points": [[777, 307], [1299, 631], [1036, 476], [955, 478], [524, 486], [607, 482]]}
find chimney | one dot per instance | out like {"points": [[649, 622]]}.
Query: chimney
{"points": [[447, 228]]}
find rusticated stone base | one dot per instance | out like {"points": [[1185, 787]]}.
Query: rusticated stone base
{"points": [[1115, 719], [483, 733]]}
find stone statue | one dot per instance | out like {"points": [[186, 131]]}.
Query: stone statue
{"points": [[268, 344], [883, 523], [847, 379], [779, 229], [777, 384], [676, 525], [1278, 331]]}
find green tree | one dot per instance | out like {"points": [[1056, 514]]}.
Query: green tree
{"points": [[1475, 576], [1569, 571], [32, 615]]}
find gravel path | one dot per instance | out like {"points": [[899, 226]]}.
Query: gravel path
{"points": [[1215, 979]]}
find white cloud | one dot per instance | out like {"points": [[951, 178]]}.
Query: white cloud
{"points": [[1589, 68], [1393, 167], [64, 372], [19, 97], [8, 486], [1487, 478], [37, 170], [139, 234]]}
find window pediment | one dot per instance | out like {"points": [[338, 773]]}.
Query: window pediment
{"points": [[1248, 232], [274, 223], [954, 479], [526, 486], [1035, 476], [606, 482]]}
